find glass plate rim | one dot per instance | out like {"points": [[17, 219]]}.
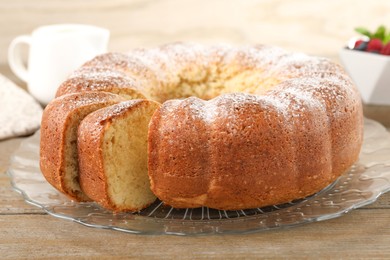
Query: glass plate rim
{"points": [[380, 132]]}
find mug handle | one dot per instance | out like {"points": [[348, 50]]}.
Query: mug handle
{"points": [[15, 59]]}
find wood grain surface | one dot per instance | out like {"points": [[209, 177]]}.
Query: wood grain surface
{"points": [[318, 27]]}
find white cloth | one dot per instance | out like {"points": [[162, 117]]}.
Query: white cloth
{"points": [[20, 114]]}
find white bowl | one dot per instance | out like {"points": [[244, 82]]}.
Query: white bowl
{"points": [[371, 74]]}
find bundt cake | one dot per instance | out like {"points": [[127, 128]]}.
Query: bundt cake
{"points": [[239, 127], [112, 143], [58, 150]]}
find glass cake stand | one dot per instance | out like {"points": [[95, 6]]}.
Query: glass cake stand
{"points": [[361, 185]]}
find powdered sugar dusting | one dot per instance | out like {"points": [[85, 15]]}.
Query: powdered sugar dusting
{"points": [[133, 66], [105, 76], [278, 103], [302, 78], [117, 110], [72, 101], [207, 111]]}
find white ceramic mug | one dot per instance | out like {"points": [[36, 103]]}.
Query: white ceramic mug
{"points": [[54, 52]]}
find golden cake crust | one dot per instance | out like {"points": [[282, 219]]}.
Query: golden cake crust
{"points": [[277, 143], [58, 118]]}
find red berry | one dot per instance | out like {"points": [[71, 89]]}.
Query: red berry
{"points": [[386, 49], [360, 45], [374, 45], [357, 43]]}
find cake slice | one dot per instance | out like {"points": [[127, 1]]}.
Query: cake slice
{"points": [[58, 149], [113, 155]]}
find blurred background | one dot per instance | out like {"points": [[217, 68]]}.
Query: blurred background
{"points": [[318, 27]]}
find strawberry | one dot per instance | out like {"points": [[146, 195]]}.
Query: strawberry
{"points": [[357, 43], [374, 45], [386, 49], [360, 45]]}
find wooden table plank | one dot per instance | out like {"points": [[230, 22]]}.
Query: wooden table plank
{"points": [[11, 202], [349, 236]]}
